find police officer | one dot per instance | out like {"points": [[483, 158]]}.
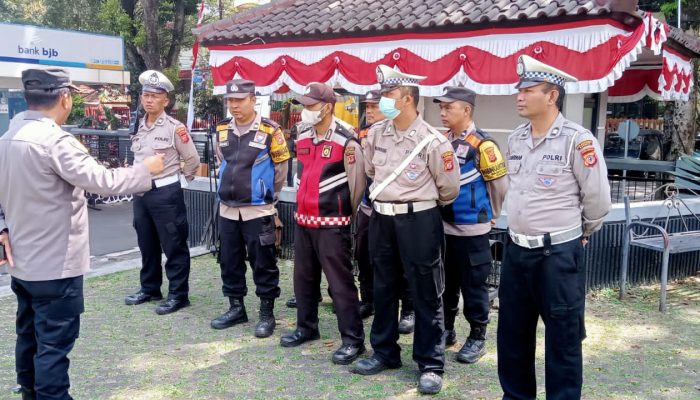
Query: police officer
{"points": [[468, 220], [558, 196], [332, 181], [254, 158], [160, 216], [414, 170], [366, 274], [44, 227]]}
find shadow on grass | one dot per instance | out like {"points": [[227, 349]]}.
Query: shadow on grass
{"points": [[632, 351]]}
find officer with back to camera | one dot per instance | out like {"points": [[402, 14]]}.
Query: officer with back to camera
{"points": [[44, 227]]}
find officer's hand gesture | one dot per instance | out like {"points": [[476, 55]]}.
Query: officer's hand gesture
{"points": [[5, 242], [155, 164]]}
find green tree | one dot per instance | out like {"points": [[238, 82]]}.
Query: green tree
{"points": [[77, 114]]}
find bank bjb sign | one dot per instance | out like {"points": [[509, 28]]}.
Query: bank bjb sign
{"points": [[34, 45]]}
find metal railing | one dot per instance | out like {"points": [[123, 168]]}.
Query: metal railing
{"points": [[637, 188], [601, 256]]}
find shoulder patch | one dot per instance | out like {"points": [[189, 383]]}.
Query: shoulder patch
{"points": [[181, 131], [350, 155], [448, 161], [590, 158], [584, 143], [491, 162]]}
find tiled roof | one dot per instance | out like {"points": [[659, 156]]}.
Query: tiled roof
{"points": [[687, 40], [281, 20]]}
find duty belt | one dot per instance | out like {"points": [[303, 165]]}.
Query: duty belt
{"points": [[403, 208], [168, 180], [533, 242]]}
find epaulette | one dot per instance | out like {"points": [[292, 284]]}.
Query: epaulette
{"points": [[173, 120], [223, 124], [570, 128], [268, 126], [519, 130], [483, 135], [440, 137], [343, 130]]}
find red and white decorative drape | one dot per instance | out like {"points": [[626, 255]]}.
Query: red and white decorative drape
{"points": [[597, 52], [671, 80]]}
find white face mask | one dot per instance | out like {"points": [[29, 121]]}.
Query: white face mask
{"points": [[311, 117]]}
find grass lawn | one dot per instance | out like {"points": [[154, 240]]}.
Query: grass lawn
{"points": [[632, 351]]}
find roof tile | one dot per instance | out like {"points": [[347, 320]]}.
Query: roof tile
{"points": [[285, 18]]}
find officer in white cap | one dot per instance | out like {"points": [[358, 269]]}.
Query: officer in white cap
{"points": [[160, 216], [366, 275], [558, 196], [414, 170]]}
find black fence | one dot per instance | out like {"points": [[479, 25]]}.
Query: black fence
{"points": [[113, 148], [638, 188], [602, 255]]}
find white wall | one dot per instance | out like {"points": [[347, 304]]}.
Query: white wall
{"points": [[495, 115]]}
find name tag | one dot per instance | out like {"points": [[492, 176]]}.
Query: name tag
{"points": [[257, 145], [223, 144]]}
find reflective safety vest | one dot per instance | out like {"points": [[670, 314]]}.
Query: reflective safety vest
{"points": [[247, 172], [323, 196], [473, 206]]}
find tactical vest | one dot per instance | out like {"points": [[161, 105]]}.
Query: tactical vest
{"points": [[323, 197], [472, 206], [247, 173]]}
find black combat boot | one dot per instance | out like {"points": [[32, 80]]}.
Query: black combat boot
{"points": [[266, 324], [407, 322], [235, 315], [475, 346]]}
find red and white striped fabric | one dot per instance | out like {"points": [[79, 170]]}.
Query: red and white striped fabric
{"points": [[670, 80], [306, 220], [595, 51], [676, 78]]}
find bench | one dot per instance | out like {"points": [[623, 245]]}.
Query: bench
{"points": [[655, 236]]}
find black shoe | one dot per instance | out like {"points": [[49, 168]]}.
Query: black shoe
{"points": [[372, 366], [140, 298], [171, 305], [430, 383], [450, 337], [348, 353], [266, 324], [292, 302], [236, 314], [407, 322], [472, 351], [366, 310], [27, 393], [297, 338]]}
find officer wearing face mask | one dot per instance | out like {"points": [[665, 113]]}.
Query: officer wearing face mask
{"points": [[331, 184], [366, 276], [414, 170]]}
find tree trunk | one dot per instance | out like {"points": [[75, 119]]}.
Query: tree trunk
{"points": [[178, 32], [134, 59], [151, 49], [681, 121]]}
